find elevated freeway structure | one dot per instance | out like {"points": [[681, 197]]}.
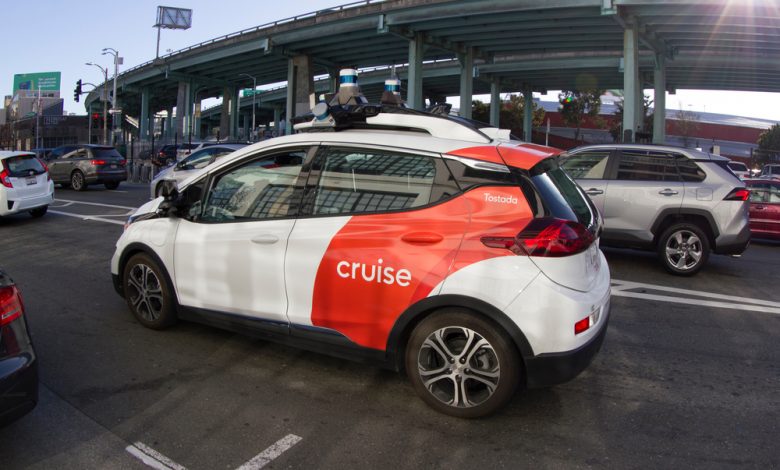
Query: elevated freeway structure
{"points": [[443, 48]]}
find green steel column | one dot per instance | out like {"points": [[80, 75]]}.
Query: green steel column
{"points": [[143, 122], [414, 94], [466, 82], [277, 119], [224, 117], [183, 110], [630, 81], [495, 102], [234, 97], [528, 119], [659, 102]]}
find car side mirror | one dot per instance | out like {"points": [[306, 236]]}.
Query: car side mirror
{"points": [[168, 191]]}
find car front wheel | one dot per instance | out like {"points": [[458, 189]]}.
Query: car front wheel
{"points": [[77, 181], [461, 364], [683, 249], [148, 293]]}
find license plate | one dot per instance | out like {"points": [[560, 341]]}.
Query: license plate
{"points": [[113, 167], [31, 180]]}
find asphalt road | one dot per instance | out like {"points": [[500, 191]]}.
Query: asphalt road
{"points": [[686, 378]]}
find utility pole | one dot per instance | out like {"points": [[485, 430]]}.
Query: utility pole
{"points": [[116, 121], [254, 90]]}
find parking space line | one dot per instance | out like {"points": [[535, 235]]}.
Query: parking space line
{"points": [[96, 204], [623, 289], [270, 454], [89, 217], [152, 458]]}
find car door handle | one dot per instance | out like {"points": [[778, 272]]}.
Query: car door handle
{"points": [[760, 208], [422, 238], [667, 192], [265, 239], [593, 191]]}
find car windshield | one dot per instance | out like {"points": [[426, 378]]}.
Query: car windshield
{"points": [[105, 152], [22, 165]]}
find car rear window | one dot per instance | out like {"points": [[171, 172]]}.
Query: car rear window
{"points": [[560, 194], [105, 153], [737, 166], [22, 165]]}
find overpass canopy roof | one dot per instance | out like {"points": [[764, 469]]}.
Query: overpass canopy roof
{"points": [[555, 44]]}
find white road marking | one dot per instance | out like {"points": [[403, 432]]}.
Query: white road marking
{"points": [[96, 204], [88, 217], [152, 458], [267, 456], [622, 289]]}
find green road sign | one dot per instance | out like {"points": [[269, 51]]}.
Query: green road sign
{"points": [[47, 81]]}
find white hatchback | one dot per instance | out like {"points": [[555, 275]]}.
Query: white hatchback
{"points": [[25, 184]]}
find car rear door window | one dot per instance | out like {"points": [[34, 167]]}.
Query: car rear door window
{"points": [[358, 181], [590, 164], [689, 170], [642, 165]]}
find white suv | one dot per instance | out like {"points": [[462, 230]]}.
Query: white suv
{"points": [[25, 184], [472, 264]]}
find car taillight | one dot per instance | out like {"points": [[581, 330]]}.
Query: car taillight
{"points": [[738, 194], [45, 168], [123, 162], [5, 178], [98, 162], [546, 236], [11, 306]]}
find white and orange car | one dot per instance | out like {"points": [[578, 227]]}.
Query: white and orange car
{"points": [[469, 262]]}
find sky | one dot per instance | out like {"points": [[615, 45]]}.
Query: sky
{"points": [[62, 35]]}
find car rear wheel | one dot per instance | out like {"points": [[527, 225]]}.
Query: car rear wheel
{"points": [[77, 181], [461, 364], [112, 185], [148, 293], [39, 211], [683, 249]]}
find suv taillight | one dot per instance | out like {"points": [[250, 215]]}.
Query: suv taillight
{"points": [[546, 236], [11, 306], [4, 178], [738, 194]]}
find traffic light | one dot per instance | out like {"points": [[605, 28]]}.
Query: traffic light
{"points": [[97, 120], [77, 91]]}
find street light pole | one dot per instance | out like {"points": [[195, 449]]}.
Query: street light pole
{"points": [[116, 121], [105, 101], [254, 90]]}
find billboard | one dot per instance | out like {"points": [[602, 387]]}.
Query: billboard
{"points": [[47, 81], [174, 18]]}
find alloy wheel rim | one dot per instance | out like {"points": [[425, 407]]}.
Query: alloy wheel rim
{"points": [[76, 181], [459, 367], [684, 250], [145, 292]]}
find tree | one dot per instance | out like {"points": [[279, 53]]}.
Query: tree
{"points": [[616, 130], [511, 115], [576, 105], [687, 125], [769, 144]]}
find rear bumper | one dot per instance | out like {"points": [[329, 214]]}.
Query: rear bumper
{"points": [[106, 177], [11, 205], [546, 370], [733, 244], [18, 385]]}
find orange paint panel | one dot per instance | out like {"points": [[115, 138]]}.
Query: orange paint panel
{"points": [[379, 265], [525, 156]]}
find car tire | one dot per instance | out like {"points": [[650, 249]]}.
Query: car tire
{"points": [[148, 292], [112, 185], [683, 249], [39, 211], [77, 181], [462, 364]]}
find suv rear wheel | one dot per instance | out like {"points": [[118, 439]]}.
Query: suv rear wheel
{"points": [[683, 249], [461, 364], [77, 181]]}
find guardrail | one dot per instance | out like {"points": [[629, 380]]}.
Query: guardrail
{"points": [[272, 24]]}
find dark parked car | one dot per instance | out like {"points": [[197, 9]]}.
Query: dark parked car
{"points": [[165, 155], [18, 362], [87, 164], [764, 208]]}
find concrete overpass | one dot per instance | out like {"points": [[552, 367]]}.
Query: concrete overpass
{"points": [[493, 46]]}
